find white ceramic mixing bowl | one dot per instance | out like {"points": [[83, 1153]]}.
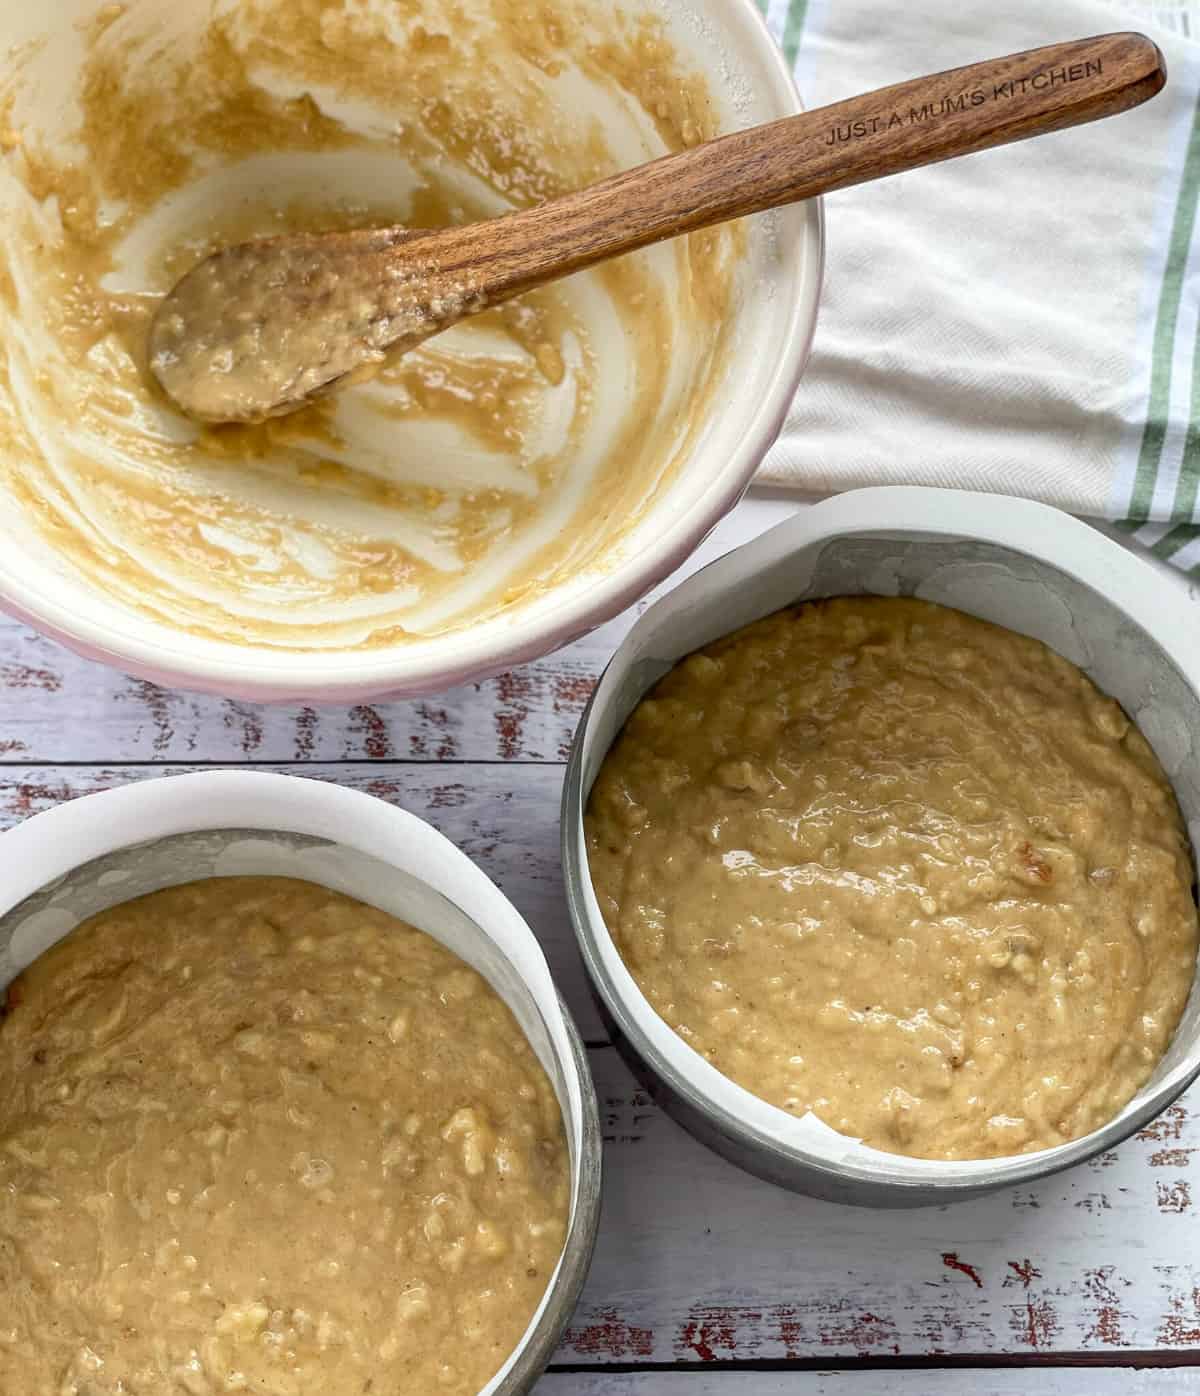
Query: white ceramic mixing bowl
{"points": [[727, 43]]}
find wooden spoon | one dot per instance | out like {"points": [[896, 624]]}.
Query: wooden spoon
{"points": [[260, 329]]}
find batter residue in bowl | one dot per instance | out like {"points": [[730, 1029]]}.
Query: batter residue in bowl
{"points": [[882, 861], [470, 475], [256, 1136]]}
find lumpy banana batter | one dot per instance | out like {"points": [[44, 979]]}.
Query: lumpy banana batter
{"points": [[467, 477], [884, 862], [256, 1136]]}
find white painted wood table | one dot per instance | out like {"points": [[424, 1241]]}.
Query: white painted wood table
{"points": [[706, 1282]]}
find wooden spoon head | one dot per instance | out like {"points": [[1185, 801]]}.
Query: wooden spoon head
{"points": [[260, 329]]}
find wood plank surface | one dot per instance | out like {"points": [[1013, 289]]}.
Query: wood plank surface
{"points": [[1094, 1381], [701, 1263], [55, 706]]}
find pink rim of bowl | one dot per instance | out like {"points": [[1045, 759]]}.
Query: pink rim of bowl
{"points": [[477, 653]]}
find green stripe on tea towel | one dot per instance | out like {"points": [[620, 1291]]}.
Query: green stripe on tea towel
{"points": [[1184, 507], [793, 30], [1179, 537], [1165, 325]]}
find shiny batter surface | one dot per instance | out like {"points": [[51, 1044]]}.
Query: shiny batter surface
{"points": [[882, 861], [469, 475], [256, 1136]]}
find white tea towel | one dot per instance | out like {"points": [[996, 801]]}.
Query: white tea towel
{"points": [[1023, 320]]}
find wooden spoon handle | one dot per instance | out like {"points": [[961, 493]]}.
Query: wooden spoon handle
{"points": [[867, 137]]}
